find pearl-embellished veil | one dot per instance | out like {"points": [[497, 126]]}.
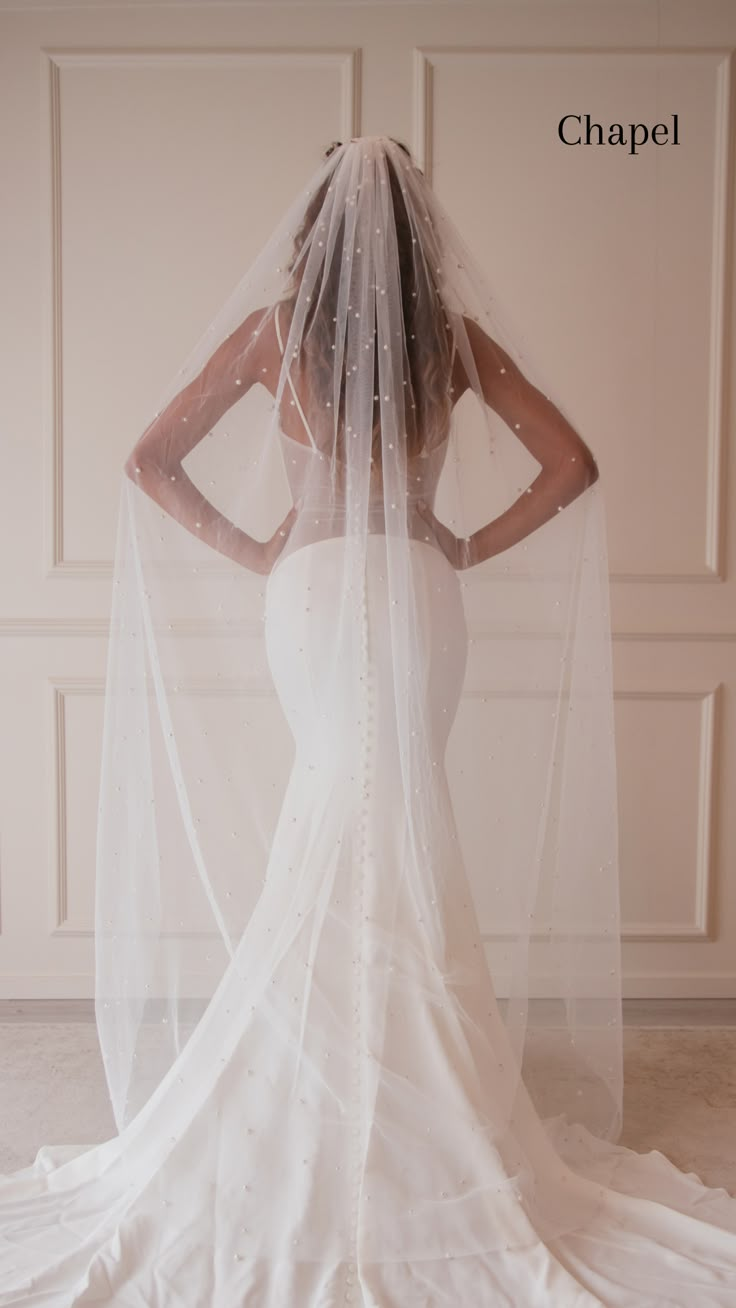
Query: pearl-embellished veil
{"points": [[354, 455]]}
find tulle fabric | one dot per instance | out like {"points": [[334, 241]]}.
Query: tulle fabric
{"points": [[359, 703], [345, 377]]}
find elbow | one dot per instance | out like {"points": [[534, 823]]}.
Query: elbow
{"points": [[140, 467], [138, 462], [589, 472], [132, 466], [592, 472], [574, 476], [586, 472]]}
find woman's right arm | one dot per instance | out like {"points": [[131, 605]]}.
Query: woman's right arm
{"points": [[568, 465]]}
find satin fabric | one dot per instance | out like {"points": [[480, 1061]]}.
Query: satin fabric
{"points": [[358, 1173]]}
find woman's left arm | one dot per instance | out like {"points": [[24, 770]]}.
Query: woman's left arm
{"points": [[155, 462]]}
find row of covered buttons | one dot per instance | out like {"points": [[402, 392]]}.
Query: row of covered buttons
{"points": [[361, 858]]}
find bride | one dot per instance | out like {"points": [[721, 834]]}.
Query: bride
{"points": [[336, 739]]}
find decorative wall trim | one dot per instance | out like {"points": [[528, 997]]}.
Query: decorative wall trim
{"points": [[348, 63], [48, 628], [62, 688], [702, 926], [427, 58]]}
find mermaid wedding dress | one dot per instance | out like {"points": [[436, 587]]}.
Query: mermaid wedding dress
{"points": [[319, 1100], [355, 1172]]}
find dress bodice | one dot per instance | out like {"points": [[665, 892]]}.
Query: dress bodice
{"points": [[308, 473]]}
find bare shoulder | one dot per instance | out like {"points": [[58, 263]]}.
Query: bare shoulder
{"points": [[488, 359], [259, 329], [251, 345], [495, 369]]}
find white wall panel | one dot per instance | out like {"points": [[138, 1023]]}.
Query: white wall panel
{"points": [[147, 152]]}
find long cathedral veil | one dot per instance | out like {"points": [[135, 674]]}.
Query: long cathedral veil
{"points": [[361, 391]]}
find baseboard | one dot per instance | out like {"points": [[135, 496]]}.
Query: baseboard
{"points": [[636, 1012]]}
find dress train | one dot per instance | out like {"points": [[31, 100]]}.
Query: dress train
{"points": [[319, 1142]]}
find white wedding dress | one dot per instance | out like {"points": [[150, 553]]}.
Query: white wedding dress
{"points": [[376, 1205]]}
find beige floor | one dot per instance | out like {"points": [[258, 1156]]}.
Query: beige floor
{"points": [[679, 1061]]}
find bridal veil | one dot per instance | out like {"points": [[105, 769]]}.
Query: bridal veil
{"points": [[361, 390]]}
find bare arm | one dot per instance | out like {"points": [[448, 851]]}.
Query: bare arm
{"points": [[155, 462], [568, 465]]}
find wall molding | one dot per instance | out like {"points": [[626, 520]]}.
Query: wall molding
{"points": [[349, 65], [428, 58]]}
